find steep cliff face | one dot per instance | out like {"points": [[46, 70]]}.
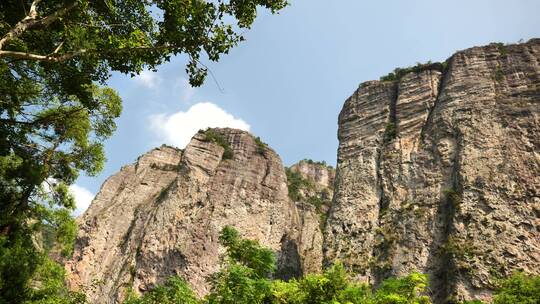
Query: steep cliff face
{"points": [[439, 172], [162, 216], [311, 187]]}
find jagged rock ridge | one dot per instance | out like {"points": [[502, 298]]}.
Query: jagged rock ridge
{"points": [[439, 172]]}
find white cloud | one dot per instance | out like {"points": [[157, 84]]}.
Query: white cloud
{"points": [[178, 128], [83, 198], [148, 79]]}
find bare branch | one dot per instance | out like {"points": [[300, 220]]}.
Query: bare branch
{"points": [[49, 58], [31, 20], [58, 47], [69, 55], [33, 9]]}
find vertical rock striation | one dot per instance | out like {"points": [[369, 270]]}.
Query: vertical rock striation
{"points": [[439, 172]]}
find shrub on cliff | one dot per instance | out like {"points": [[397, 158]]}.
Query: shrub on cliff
{"points": [[212, 136], [173, 292], [261, 146], [295, 182]]}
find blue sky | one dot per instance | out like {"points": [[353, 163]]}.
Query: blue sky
{"points": [[288, 81]]}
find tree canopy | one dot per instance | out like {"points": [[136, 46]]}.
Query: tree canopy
{"points": [[56, 110]]}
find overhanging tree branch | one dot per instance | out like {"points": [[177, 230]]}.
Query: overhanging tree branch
{"points": [[69, 55], [31, 20]]}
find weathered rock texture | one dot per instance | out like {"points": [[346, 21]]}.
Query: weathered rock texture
{"points": [[439, 172], [313, 201], [317, 172], [162, 216]]}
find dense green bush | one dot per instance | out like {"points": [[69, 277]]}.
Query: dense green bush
{"points": [[519, 289], [173, 292], [28, 275], [51, 288]]}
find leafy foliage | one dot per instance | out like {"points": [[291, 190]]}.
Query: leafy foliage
{"points": [[410, 289], [519, 289], [21, 261], [173, 292], [51, 286], [126, 35], [245, 278], [46, 138], [238, 284], [248, 253], [212, 136]]}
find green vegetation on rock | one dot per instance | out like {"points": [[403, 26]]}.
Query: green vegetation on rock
{"points": [[261, 146], [212, 136], [304, 190], [520, 288], [313, 162], [390, 132], [295, 182], [398, 73]]}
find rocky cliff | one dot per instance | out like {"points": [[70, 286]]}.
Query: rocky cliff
{"points": [[162, 215], [439, 171]]}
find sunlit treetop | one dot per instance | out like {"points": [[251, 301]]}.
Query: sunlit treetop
{"points": [[125, 35]]}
